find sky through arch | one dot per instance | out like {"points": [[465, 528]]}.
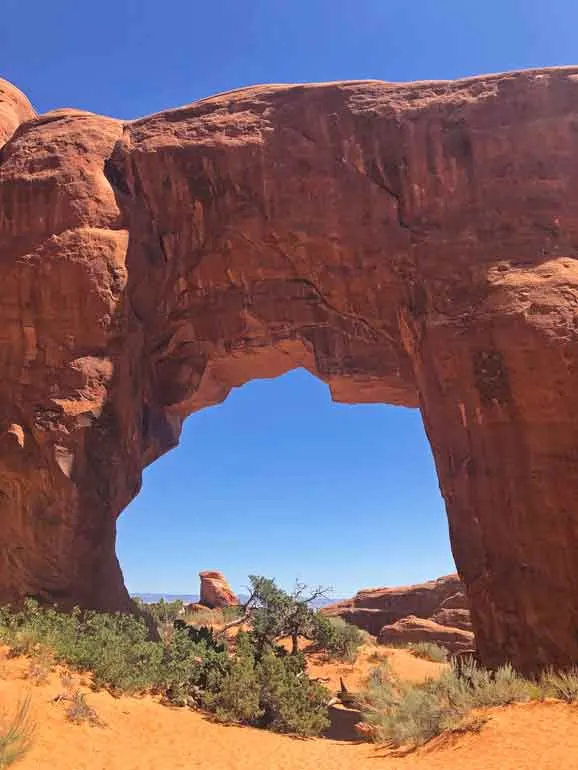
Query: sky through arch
{"points": [[279, 480]]}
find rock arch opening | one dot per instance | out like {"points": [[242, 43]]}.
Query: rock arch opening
{"points": [[281, 481]]}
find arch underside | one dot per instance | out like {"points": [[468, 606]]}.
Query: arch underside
{"points": [[408, 244]]}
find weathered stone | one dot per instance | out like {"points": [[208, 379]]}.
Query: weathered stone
{"points": [[411, 630], [215, 591], [411, 244], [453, 618], [458, 601], [373, 608]]}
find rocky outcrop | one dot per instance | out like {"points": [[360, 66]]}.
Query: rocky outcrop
{"points": [[453, 618], [373, 608], [411, 630], [411, 244], [215, 591]]}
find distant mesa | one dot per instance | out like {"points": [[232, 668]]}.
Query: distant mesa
{"points": [[436, 611], [216, 591]]}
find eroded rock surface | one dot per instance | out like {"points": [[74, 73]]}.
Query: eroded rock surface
{"points": [[413, 244], [373, 608], [216, 591], [411, 630]]}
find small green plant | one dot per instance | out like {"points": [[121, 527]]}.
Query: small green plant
{"points": [[404, 713], [16, 735], [79, 710], [337, 638], [429, 651], [40, 665]]}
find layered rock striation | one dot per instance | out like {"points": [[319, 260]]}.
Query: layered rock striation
{"points": [[442, 600], [216, 591]]}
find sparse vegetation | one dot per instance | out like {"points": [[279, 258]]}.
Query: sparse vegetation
{"points": [[256, 683], [41, 664], [404, 713], [79, 711], [162, 612], [562, 685], [253, 678], [16, 735], [337, 638], [429, 651]]}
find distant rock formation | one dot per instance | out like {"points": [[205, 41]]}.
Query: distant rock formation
{"points": [[396, 614], [411, 629], [215, 590]]}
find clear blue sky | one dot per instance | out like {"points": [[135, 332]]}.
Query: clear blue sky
{"points": [[277, 480]]}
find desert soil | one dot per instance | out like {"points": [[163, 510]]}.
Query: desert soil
{"points": [[141, 734]]}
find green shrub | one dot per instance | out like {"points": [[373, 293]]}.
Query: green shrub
{"points": [[404, 713], [562, 685], [162, 612], [16, 736], [336, 637], [429, 651], [292, 702], [267, 690], [233, 693], [493, 688], [115, 648], [259, 685]]}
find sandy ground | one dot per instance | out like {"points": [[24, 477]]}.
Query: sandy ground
{"points": [[402, 664], [140, 734]]}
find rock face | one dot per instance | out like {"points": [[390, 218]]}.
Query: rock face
{"points": [[410, 244], [373, 608], [411, 629], [215, 591], [453, 618]]}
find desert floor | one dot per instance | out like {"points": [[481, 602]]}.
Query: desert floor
{"points": [[141, 734]]}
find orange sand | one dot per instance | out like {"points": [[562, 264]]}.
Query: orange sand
{"points": [[401, 663], [140, 734]]}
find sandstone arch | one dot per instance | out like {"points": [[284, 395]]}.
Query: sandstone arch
{"points": [[412, 244]]}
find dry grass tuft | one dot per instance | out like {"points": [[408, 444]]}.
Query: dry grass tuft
{"points": [[16, 735]]}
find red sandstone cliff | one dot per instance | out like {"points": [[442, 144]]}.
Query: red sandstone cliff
{"points": [[442, 602], [413, 244]]}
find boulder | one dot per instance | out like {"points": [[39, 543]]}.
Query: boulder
{"points": [[411, 629], [215, 591]]}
